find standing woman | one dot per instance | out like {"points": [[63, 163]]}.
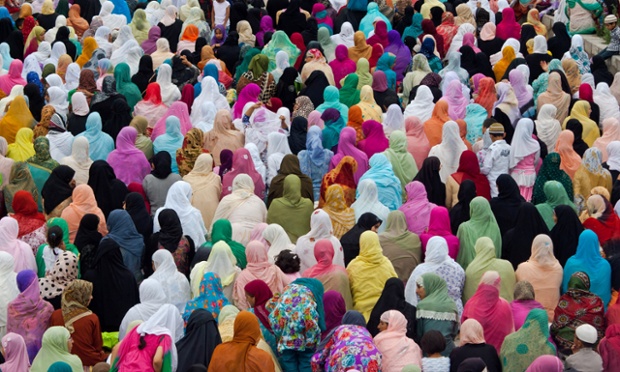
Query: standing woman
{"points": [[524, 155], [206, 187], [481, 224], [521, 348]]}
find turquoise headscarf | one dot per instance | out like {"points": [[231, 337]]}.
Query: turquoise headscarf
{"points": [[171, 140], [100, 143], [388, 185], [385, 63], [474, 116], [280, 42], [331, 97], [124, 86], [415, 29], [367, 24], [333, 127]]}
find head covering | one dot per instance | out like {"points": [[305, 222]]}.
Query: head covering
{"points": [[201, 338], [55, 348]]}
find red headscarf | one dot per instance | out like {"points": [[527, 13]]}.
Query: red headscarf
{"points": [[377, 52], [380, 36], [469, 169], [26, 213], [298, 40], [137, 187], [187, 96], [487, 96], [508, 27], [243, 163], [324, 255], [585, 92], [261, 293], [153, 94]]}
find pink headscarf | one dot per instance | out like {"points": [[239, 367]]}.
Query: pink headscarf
{"points": [[471, 332], [397, 349], [346, 147], [315, 119], [15, 353], [375, 140], [257, 233], [243, 163], [417, 209], [519, 86], [476, 79], [249, 93], [21, 252], [546, 363], [492, 311], [13, 77], [470, 40], [324, 255], [129, 163], [178, 109], [417, 143], [457, 103], [439, 225], [380, 36], [508, 27], [342, 65]]}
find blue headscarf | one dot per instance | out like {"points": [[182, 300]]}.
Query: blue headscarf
{"points": [[121, 8], [588, 259], [171, 140], [5, 52], [385, 63], [4, 13], [209, 70], [100, 143], [388, 185], [474, 116], [124, 233], [317, 289], [367, 24], [415, 29], [333, 126], [331, 99], [314, 145], [211, 297], [357, 5], [33, 78]]}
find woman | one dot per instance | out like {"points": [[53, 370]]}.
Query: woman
{"points": [[143, 141], [222, 263], [81, 322], [482, 223], [31, 222], [581, 112], [206, 187], [222, 136], [417, 209], [100, 143], [282, 210], [178, 198], [528, 225], [473, 345], [565, 234], [346, 147], [396, 348], [484, 261], [157, 184], [430, 177], [192, 148], [393, 298], [16, 120], [534, 336], [400, 246], [556, 96], [290, 165], [22, 148], [56, 193], [173, 282], [109, 191], [468, 170], [57, 243], [524, 156], [151, 107], [402, 161], [590, 174], [21, 179], [449, 150], [493, 312], [588, 260], [29, 305], [603, 221], [56, 346], [83, 202], [200, 340], [366, 288], [370, 109], [123, 231], [342, 216], [381, 173], [125, 154], [570, 160], [333, 277], [550, 171]]}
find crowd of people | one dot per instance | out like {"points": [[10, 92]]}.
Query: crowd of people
{"points": [[308, 185]]}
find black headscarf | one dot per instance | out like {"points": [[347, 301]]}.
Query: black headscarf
{"points": [[115, 289], [518, 240], [172, 33], [274, 6], [202, 255], [429, 176], [16, 44], [162, 163], [171, 231], [109, 191], [460, 212], [315, 86], [226, 158], [285, 89], [482, 17], [181, 74], [62, 36], [484, 65], [88, 8], [134, 205], [142, 78], [35, 100], [527, 32], [600, 72], [436, 15], [289, 165], [565, 233], [6, 27], [229, 52], [297, 138], [612, 252], [311, 31], [393, 298], [119, 118], [405, 21], [238, 13], [87, 241], [579, 145], [195, 56], [350, 241], [560, 42], [201, 338], [506, 204], [57, 188], [468, 60], [292, 20]]}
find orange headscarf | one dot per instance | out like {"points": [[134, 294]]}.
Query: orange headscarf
{"points": [[463, 132], [79, 24], [191, 33], [90, 45], [570, 160], [433, 126], [487, 95], [356, 121], [361, 49], [508, 55]]}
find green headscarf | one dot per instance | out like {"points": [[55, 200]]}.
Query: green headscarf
{"points": [[485, 261], [481, 223], [329, 47], [63, 8], [363, 73], [396, 232], [243, 67], [349, 94], [48, 70], [437, 304], [333, 127], [403, 163], [54, 348], [124, 86], [291, 207], [556, 195], [279, 41], [222, 230], [258, 65], [42, 157], [550, 171], [415, 29], [521, 348], [317, 289]]}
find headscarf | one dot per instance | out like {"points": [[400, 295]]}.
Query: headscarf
{"points": [[550, 171], [533, 337], [570, 159], [383, 176], [192, 148], [200, 340], [100, 143], [55, 348], [457, 103], [449, 150], [437, 304], [128, 162], [580, 112], [15, 352], [523, 144], [361, 49], [482, 223], [556, 195], [375, 141]]}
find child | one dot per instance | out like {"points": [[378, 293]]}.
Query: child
{"points": [[220, 14], [613, 49], [433, 343], [48, 253], [497, 160], [584, 358], [289, 263]]}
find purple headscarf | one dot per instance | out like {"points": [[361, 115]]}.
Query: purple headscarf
{"points": [[546, 363], [457, 103], [402, 53], [476, 79], [266, 25], [334, 310], [226, 162], [346, 147], [214, 39], [519, 85], [148, 45], [379, 81], [129, 163], [28, 314]]}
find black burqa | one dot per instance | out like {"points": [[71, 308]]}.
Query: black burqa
{"points": [[201, 338], [350, 241], [506, 204], [88, 8], [62, 36], [285, 89], [292, 20], [229, 52], [560, 42], [109, 191], [429, 176], [102, 102], [460, 212], [298, 134], [599, 70], [119, 118], [87, 241], [393, 298], [143, 77], [57, 188], [6, 27], [35, 100], [134, 205], [565, 233], [115, 289], [172, 33], [517, 242], [168, 237], [579, 145], [315, 86], [16, 44], [311, 32]]}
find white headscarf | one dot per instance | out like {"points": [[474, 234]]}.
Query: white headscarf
{"points": [[320, 228], [170, 15], [50, 35], [606, 102], [111, 20], [57, 50], [169, 92], [17, 90], [8, 287], [178, 199], [206, 118], [457, 40], [449, 150], [164, 322], [79, 160], [101, 37], [57, 97], [282, 62], [523, 144], [345, 36], [588, 78], [44, 51], [422, 106], [368, 201], [258, 163], [516, 46], [152, 297], [174, 283], [130, 53], [278, 240], [72, 76], [221, 262], [124, 35], [277, 147], [540, 45], [548, 128], [613, 155], [31, 64], [154, 13], [209, 92], [393, 119]]}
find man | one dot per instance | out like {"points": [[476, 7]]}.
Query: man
{"points": [[497, 159]]}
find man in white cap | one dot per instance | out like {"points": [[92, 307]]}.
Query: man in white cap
{"points": [[584, 358], [613, 49]]}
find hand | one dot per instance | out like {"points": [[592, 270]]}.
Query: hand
{"points": [[544, 65], [282, 118], [257, 105]]}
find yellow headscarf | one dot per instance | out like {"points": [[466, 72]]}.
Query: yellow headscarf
{"points": [[140, 26], [36, 32], [508, 55], [581, 112], [87, 51], [22, 149], [17, 117], [533, 18], [370, 109], [48, 7]]}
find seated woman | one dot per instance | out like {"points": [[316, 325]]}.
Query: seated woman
{"points": [[57, 243], [396, 348], [56, 346], [602, 219], [521, 348], [524, 302], [81, 322], [63, 273], [576, 307], [473, 345], [31, 222], [257, 294]]}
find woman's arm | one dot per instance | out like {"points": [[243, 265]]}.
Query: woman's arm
{"points": [[158, 359]]}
